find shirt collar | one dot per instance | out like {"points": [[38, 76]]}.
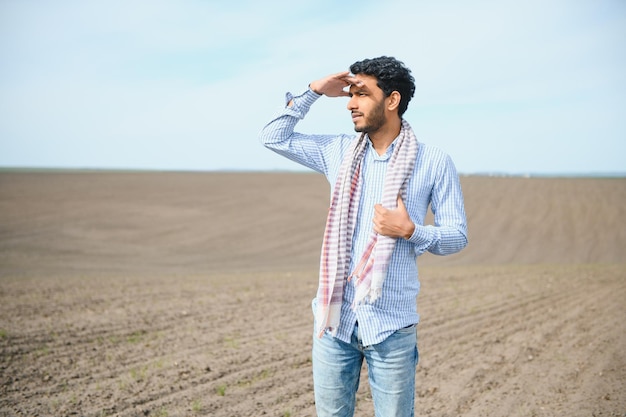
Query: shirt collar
{"points": [[386, 155]]}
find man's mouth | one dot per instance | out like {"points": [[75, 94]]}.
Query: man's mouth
{"points": [[356, 116]]}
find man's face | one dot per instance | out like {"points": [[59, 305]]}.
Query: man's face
{"points": [[367, 105]]}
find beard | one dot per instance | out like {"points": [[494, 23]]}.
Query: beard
{"points": [[373, 121]]}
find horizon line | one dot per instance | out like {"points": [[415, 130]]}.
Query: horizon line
{"points": [[529, 174]]}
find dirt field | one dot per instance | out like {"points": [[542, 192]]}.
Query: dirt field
{"points": [[188, 294]]}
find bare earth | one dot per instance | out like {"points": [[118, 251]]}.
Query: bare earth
{"points": [[188, 294]]}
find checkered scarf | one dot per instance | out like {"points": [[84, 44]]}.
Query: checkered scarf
{"points": [[370, 273]]}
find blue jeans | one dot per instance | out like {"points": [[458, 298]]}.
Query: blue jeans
{"points": [[391, 371]]}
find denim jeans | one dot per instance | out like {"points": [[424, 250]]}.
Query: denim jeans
{"points": [[391, 371]]}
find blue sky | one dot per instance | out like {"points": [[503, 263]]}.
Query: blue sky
{"points": [[502, 86]]}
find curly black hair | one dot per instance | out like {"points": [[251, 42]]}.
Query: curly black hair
{"points": [[392, 75]]}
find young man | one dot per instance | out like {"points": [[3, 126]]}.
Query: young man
{"points": [[382, 183]]}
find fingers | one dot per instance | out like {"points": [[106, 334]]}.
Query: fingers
{"points": [[393, 222], [401, 205], [378, 208], [341, 75], [352, 80], [347, 78], [333, 85]]}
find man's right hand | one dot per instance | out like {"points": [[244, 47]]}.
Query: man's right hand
{"points": [[333, 85]]}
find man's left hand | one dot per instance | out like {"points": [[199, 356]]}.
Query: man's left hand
{"points": [[393, 223]]}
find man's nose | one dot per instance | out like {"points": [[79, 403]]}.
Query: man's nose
{"points": [[351, 104]]}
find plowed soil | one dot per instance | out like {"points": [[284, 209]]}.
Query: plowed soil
{"points": [[188, 294]]}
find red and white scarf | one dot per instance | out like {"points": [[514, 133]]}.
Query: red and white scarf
{"points": [[370, 273]]}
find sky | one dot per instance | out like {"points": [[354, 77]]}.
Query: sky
{"points": [[513, 87]]}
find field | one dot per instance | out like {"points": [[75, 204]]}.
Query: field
{"points": [[188, 294]]}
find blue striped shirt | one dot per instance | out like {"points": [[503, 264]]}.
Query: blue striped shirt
{"points": [[434, 181]]}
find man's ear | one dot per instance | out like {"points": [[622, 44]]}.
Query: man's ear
{"points": [[393, 101]]}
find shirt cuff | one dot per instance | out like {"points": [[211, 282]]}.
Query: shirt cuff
{"points": [[303, 102], [422, 236]]}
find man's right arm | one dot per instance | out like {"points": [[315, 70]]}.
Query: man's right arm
{"points": [[279, 135], [318, 152]]}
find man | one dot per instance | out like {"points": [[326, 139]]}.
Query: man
{"points": [[382, 183]]}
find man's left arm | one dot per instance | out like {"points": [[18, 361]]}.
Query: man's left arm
{"points": [[449, 233]]}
